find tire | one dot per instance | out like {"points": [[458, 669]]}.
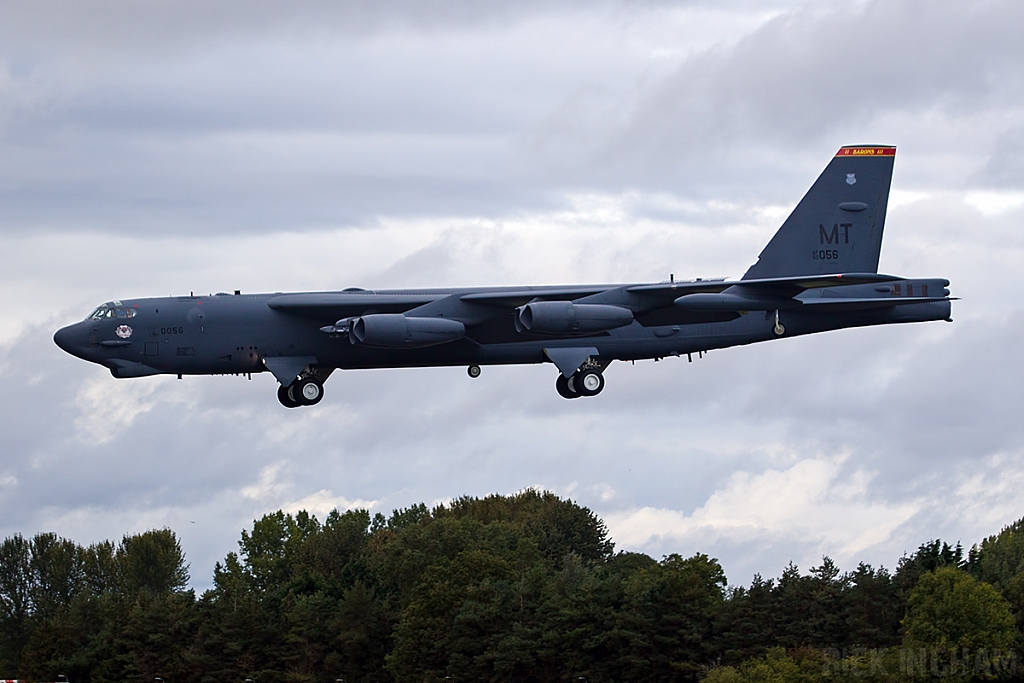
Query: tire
{"points": [[473, 371], [563, 389], [308, 391], [285, 398], [588, 382]]}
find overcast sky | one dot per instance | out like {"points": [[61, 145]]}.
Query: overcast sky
{"points": [[163, 147]]}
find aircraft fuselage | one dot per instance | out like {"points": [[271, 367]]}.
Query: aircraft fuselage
{"points": [[230, 334]]}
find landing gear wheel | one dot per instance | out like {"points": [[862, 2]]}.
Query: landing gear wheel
{"points": [[308, 391], [563, 388], [474, 371], [286, 398], [779, 328], [588, 382]]}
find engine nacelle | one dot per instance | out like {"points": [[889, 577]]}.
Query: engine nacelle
{"points": [[395, 331], [565, 317]]}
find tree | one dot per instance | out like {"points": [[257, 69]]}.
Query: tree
{"points": [[57, 566], [15, 600], [151, 562], [775, 666], [999, 560], [873, 608], [949, 608], [667, 617]]}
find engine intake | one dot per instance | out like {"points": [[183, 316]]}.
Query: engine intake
{"points": [[565, 317], [395, 330]]}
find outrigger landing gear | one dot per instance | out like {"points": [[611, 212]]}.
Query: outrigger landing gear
{"points": [[779, 328]]}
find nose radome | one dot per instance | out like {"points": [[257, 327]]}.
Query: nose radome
{"points": [[64, 338]]}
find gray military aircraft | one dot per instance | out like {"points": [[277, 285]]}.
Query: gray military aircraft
{"points": [[819, 272]]}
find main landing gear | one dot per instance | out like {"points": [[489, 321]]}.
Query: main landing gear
{"points": [[584, 382], [306, 391]]}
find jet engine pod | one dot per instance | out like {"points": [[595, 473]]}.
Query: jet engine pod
{"points": [[565, 317], [395, 330]]}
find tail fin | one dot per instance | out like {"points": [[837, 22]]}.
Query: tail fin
{"points": [[837, 226]]}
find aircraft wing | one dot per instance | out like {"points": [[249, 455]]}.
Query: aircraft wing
{"points": [[512, 298], [336, 305]]}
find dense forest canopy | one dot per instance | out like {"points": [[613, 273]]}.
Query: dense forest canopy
{"points": [[504, 588]]}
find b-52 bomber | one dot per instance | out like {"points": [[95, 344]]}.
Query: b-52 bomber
{"points": [[819, 272]]}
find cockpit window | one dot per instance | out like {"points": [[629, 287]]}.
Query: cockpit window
{"points": [[108, 312]]}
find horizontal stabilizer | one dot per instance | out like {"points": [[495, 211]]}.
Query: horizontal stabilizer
{"points": [[839, 305], [839, 292], [778, 286]]}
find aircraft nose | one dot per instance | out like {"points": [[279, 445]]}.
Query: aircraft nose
{"points": [[66, 339]]}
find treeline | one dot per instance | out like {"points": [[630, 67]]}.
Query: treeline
{"points": [[504, 588]]}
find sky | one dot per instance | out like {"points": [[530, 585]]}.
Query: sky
{"points": [[158, 148]]}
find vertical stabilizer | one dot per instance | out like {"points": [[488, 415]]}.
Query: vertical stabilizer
{"points": [[837, 226]]}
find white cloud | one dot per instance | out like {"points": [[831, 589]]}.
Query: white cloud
{"points": [[603, 492], [107, 409], [322, 502], [269, 487], [994, 202], [810, 501]]}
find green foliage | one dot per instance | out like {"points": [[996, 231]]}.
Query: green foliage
{"points": [[822, 609], [999, 560], [99, 613], [151, 562], [16, 588], [929, 557], [503, 588], [811, 665], [949, 608], [776, 666]]}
